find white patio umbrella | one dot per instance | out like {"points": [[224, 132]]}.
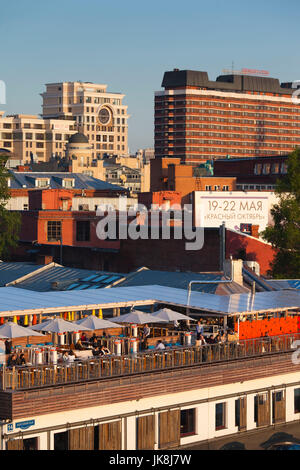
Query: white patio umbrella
{"points": [[170, 315], [58, 325], [136, 317], [95, 323], [40, 326], [3, 337], [13, 330]]}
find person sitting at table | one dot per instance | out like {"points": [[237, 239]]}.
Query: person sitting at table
{"points": [[218, 339], [201, 340], [12, 360], [65, 357], [104, 351], [93, 340], [96, 351], [71, 357], [160, 345], [22, 360], [224, 337], [210, 339], [79, 345], [83, 337]]}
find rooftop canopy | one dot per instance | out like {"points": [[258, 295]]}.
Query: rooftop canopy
{"points": [[14, 301]]}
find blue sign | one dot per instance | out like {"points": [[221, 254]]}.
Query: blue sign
{"points": [[10, 427], [25, 424]]}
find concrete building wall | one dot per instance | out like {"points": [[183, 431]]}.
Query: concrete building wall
{"points": [[203, 401]]}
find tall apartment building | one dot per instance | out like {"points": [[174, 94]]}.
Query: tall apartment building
{"points": [[25, 136], [238, 115], [98, 114]]}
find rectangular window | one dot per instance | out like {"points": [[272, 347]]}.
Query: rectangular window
{"points": [[266, 168], [237, 412], [283, 168], [275, 168], [220, 416], [83, 231], [187, 422], [61, 441], [68, 183], [53, 230], [30, 443], [297, 400], [257, 169], [42, 183]]}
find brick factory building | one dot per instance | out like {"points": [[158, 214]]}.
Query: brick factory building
{"points": [[170, 174], [257, 173]]}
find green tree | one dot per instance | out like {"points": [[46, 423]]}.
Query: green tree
{"points": [[10, 222], [284, 235]]}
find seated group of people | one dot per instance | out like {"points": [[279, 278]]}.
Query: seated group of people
{"points": [[98, 350], [220, 338], [68, 357], [101, 351], [16, 360]]}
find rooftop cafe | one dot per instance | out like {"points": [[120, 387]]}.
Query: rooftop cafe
{"points": [[53, 338]]}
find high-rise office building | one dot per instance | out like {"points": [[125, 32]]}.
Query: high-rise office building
{"points": [[237, 115]]}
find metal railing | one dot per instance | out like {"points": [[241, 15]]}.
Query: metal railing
{"points": [[28, 377]]}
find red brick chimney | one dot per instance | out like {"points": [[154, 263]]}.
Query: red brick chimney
{"points": [[255, 231]]}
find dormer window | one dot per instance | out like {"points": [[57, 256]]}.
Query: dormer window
{"points": [[42, 182], [68, 183]]}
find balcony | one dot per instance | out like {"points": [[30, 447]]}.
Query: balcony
{"points": [[172, 358]]}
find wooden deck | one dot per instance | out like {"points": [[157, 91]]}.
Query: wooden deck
{"points": [[31, 377]]}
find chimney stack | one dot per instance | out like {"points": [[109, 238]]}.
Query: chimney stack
{"points": [[233, 269]]}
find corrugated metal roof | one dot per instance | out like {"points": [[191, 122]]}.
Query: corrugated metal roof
{"points": [[19, 301], [64, 276], [9, 271], [284, 283], [181, 280]]}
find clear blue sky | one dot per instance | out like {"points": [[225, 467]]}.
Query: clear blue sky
{"points": [[129, 44]]}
